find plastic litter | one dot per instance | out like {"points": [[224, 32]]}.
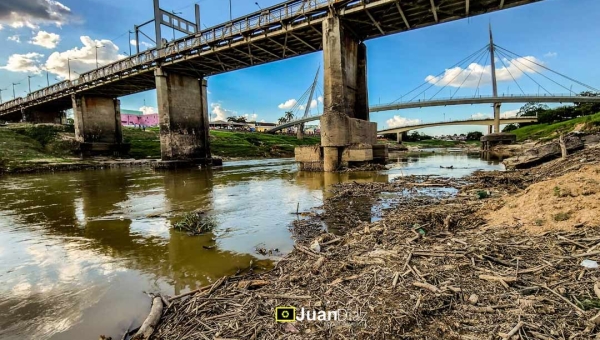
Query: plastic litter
{"points": [[589, 264]]}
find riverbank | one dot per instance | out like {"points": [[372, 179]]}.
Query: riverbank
{"points": [[39, 148], [433, 264]]}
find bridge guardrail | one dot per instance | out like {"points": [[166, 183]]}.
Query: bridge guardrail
{"points": [[267, 16]]}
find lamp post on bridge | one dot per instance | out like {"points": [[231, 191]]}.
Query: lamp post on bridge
{"points": [[14, 94], [97, 47], [29, 82], [4, 89]]}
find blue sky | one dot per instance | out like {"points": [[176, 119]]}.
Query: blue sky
{"points": [[561, 34]]}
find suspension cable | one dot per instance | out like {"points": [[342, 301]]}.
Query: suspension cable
{"points": [[456, 76], [558, 73], [438, 75], [525, 73], [468, 75], [513, 78], [481, 75]]}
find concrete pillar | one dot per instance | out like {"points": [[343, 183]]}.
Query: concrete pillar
{"points": [[490, 129], [97, 119], [345, 90], [183, 115], [300, 131], [497, 117], [399, 137]]}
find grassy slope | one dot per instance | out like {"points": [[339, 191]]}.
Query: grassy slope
{"points": [[434, 143], [223, 143], [549, 131], [17, 148]]}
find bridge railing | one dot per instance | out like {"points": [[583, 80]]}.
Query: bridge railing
{"points": [[536, 95], [258, 20]]}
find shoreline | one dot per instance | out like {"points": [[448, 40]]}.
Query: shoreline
{"points": [[429, 266]]}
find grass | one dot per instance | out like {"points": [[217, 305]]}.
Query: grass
{"points": [[196, 223], [436, 143], [550, 131], [146, 144], [17, 148]]}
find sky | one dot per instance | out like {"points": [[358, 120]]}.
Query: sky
{"points": [[43, 39]]}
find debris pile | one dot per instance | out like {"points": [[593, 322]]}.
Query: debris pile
{"points": [[431, 268]]}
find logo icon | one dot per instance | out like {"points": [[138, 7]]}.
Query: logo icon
{"points": [[285, 314]]}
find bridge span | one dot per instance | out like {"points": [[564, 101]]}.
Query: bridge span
{"points": [[177, 69], [484, 121]]}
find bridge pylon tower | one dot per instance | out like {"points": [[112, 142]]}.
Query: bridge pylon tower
{"points": [[494, 84]]}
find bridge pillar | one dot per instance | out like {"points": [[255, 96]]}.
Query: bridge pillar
{"points": [[98, 123], [399, 137], [183, 115], [347, 136], [490, 129]]}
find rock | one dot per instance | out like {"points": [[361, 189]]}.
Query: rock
{"points": [[543, 153]]}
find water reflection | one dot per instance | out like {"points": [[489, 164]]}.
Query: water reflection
{"points": [[78, 249]]}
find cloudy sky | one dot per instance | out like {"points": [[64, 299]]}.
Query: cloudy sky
{"points": [[42, 38]]}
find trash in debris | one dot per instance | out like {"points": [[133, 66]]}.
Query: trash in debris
{"points": [[589, 264]]}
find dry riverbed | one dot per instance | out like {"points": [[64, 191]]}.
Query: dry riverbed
{"points": [[475, 265]]}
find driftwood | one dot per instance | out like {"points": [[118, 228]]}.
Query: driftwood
{"points": [[151, 321]]}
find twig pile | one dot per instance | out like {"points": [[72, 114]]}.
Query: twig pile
{"points": [[429, 269]]}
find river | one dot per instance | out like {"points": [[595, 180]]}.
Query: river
{"points": [[79, 250]]}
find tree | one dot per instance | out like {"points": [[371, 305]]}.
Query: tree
{"points": [[289, 116], [474, 135], [281, 120], [532, 109], [510, 127], [240, 119]]}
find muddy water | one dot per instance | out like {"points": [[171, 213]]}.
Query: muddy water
{"points": [[79, 250]]}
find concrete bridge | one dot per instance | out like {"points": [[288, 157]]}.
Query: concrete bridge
{"points": [[177, 69], [485, 121]]}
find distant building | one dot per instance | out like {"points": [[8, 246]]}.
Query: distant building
{"points": [[138, 118]]}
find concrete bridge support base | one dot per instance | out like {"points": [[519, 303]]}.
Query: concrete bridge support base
{"points": [[98, 125], [183, 115], [347, 136]]}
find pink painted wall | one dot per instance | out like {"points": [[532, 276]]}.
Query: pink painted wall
{"points": [[146, 120]]}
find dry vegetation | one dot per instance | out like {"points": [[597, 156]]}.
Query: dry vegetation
{"points": [[431, 268]]}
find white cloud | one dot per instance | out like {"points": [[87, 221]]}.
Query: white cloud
{"points": [[398, 121], [82, 59], [29, 62], [45, 39], [142, 43], [251, 117], [288, 104], [31, 13], [550, 54], [320, 99], [470, 77], [219, 113], [505, 114], [313, 104], [1, 27], [148, 110], [14, 38]]}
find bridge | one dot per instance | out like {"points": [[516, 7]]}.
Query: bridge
{"points": [[404, 128], [473, 121], [177, 69]]}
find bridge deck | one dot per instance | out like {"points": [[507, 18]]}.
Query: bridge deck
{"points": [[283, 31]]}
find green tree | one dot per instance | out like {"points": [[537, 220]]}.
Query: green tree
{"points": [[510, 127], [474, 135], [240, 119], [532, 109], [289, 116]]}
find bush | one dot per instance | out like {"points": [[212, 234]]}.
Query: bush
{"points": [[196, 223]]}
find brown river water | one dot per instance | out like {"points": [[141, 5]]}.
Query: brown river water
{"points": [[79, 250]]}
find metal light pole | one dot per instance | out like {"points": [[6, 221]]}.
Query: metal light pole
{"points": [[256, 3], [130, 43], [29, 82], [230, 16], [97, 47], [174, 13], [1, 94], [14, 94]]}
